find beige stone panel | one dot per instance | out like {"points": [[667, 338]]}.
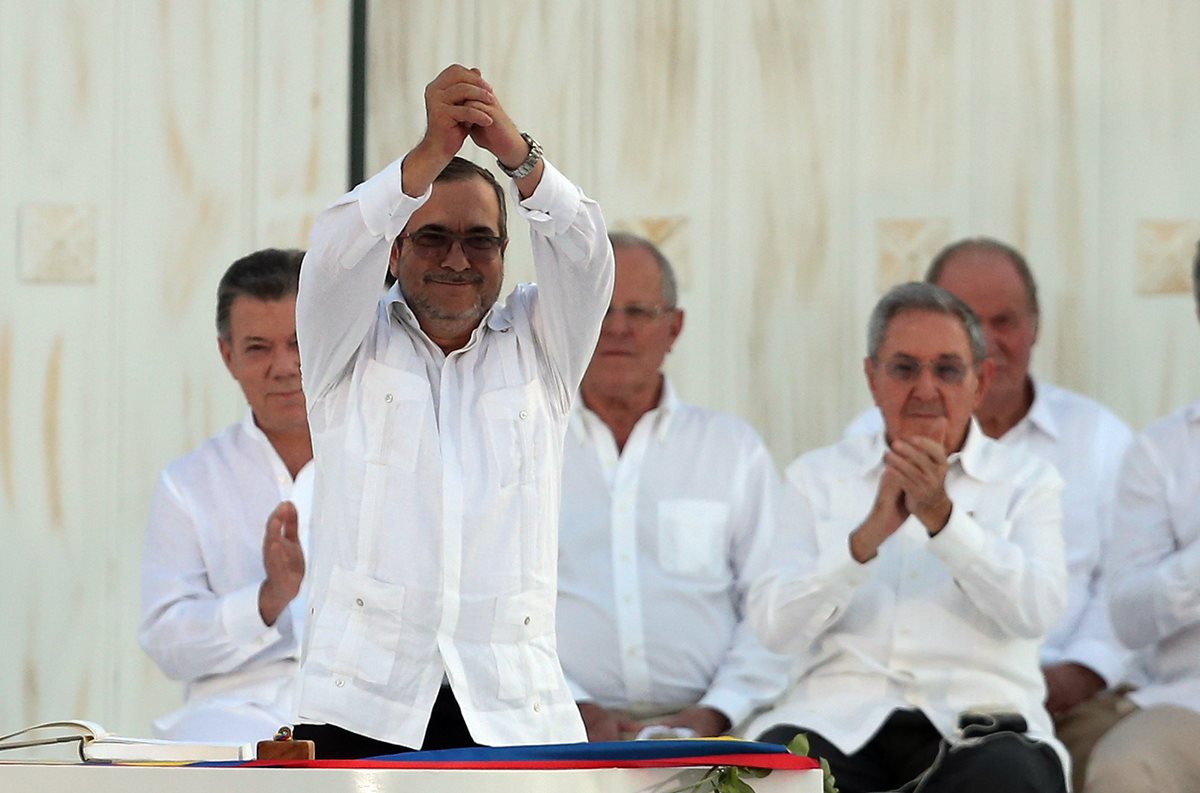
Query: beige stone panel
{"points": [[906, 247], [409, 43], [538, 55], [906, 158], [1035, 154], [55, 124], [779, 266], [299, 136], [653, 119], [1166, 250], [1151, 121]]}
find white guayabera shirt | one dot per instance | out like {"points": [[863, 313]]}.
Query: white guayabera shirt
{"points": [[1085, 442], [939, 624], [657, 545], [437, 489], [1154, 559]]}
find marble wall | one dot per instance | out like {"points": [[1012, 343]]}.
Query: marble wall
{"points": [[143, 147], [794, 157]]}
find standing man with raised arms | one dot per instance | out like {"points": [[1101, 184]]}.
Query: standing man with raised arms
{"points": [[438, 417]]}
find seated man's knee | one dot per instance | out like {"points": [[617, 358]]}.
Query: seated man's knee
{"points": [[1003, 763]]}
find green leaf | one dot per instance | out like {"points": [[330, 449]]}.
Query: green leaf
{"points": [[799, 745], [827, 773]]}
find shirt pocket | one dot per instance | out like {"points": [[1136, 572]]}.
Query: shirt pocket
{"points": [[521, 644], [360, 623], [395, 403], [511, 416], [691, 536]]}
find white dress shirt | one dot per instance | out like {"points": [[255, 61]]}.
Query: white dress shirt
{"points": [[653, 551], [942, 624], [438, 476], [1154, 559], [202, 567], [1085, 442]]}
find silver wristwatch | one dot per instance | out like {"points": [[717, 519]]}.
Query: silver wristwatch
{"points": [[525, 168]]}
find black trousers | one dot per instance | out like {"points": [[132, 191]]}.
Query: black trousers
{"points": [[907, 753], [446, 730]]}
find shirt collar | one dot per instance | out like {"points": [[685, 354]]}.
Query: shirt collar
{"points": [[1040, 414], [968, 456], [255, 434], [668, 404]]}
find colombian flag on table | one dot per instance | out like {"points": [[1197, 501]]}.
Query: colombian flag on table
{"points": [[616, 754]]}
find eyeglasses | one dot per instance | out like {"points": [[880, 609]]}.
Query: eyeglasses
{"points": [[638, 314], [435, 245], [950, 371]]}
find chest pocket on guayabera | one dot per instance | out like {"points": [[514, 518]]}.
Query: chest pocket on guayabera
{"points": [[394, 404], [513, 417]]}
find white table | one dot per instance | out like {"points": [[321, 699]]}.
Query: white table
{"points": [[73, 778]]}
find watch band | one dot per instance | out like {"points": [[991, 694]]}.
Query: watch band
{"points": [[525, 168]]}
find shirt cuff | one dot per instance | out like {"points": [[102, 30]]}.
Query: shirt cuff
{"points": [[960, 542], [384, 205], [552, 208], [1095, 655], [241, 620], [837, 563], [736, 707]]}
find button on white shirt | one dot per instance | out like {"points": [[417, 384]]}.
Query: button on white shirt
{"points": [[655, 543], [943, 624], [438, 476], [1085, 442], [202, 568], [1154, 559]]}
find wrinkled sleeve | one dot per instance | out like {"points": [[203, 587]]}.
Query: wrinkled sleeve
{"points": [[1018, 581], [1155, 584], [574, 265], [343, 273], [188, 629], [750, 676], [1093, 643], [804, 591]]}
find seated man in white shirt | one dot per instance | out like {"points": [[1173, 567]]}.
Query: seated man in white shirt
{"points": [[917, 572], [664, 504], [219, 597], [1081, 438], [1153, 560], [438, 416]]}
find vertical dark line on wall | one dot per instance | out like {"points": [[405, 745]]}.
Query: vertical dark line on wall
{"points": [[358, 91]]}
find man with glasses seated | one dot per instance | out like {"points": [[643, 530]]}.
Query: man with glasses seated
{"points": [[665, 507], [1082, 439], [438, 417], [916, 573]]}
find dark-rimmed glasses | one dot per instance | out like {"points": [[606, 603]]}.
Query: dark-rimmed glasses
{"points": [[903, 369], [434, 245]]}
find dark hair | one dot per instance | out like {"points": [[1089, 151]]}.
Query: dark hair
{"points": [[922, 296], [995, 246], [670, 287], [460, 169], [270, 274]]}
